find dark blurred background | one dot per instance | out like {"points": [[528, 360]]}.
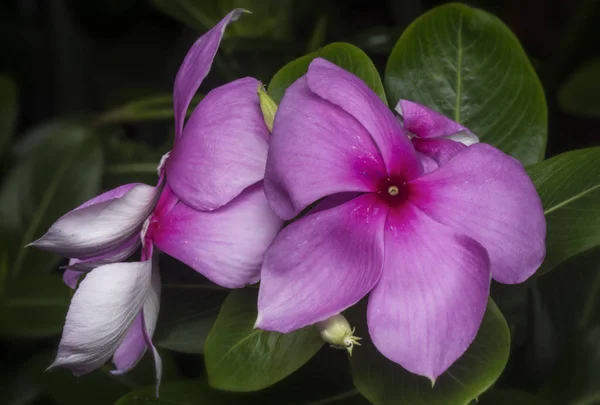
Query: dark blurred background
{"points": [[108, 66]]}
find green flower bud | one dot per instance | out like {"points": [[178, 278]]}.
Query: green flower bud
{"points": [[337, 332], [268, 107]]}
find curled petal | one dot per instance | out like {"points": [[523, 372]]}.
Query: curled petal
{"points": [[133, 347], [441, 150], [100, 228], [317, 149], [223, 149], [121, 253], [225, 245], [196, 66], [425, 122], [351, 94], [488, 196], [102, 310], [71, 277], [428, 305], [322, 264]]}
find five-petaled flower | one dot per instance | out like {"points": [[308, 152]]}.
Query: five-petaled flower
{"points": [[208, 210], [424, 243]]}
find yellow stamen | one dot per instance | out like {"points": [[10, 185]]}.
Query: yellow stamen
{"points": [[393, 190]]}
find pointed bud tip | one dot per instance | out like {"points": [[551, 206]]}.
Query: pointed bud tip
{"points": [[268, 107]]}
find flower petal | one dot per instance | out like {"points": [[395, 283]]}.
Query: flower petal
{"points": [[71, 277], [439, 149], [322, 264], [425, 122], [223, 149], [428, 305], [99, 228], [348, 92], [317, 149], [488, 196], [102, 310], [133, 347], [195, 67], [117, 192], [225, 245], [119, 254]]}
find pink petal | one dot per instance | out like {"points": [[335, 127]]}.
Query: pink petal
{"points": [[71, 277], [428, 305], [225, 245], [103, 308], [425, 122], [223, 149], [196, 66], [322, 264], [348, 92], [119, 254], [117, 192], [488, 196], [133, 347], [99, 228], [439, 149], [317, 149]]}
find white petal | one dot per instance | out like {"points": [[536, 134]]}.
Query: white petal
{"points": [[101, 312], [97, 229], [464, 137]]}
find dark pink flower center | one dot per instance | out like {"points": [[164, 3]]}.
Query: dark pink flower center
{"points": [[393, 190]]}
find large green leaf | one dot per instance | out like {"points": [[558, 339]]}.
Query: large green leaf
{"points": [[342, 54], [511, 397], [8, 110], [34, 306], [569, 186], [59, 167], [385, 383], [580, 95], [241, 358], [466, 64], [187, 313]]}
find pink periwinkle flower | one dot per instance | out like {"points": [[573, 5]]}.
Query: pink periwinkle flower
{"points": [[222, 234], [425, 245]]}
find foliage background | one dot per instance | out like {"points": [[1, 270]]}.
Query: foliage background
{"points": [[85, 105]]}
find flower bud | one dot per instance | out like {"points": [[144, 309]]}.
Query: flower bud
{"points": [[268, 107], [337, 332]]}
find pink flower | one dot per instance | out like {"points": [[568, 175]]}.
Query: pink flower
{"points": [[220, 152], [425, 245]]}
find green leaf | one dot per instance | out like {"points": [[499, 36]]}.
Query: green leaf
{"points": [[8, 110], [385, 383], [466, 64], [187, 313], [342, 54], [580, 95], [34, 306], [569, 186], [511, 397], [59, 167], [157, 107], [241, 358], [200, 393]]}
